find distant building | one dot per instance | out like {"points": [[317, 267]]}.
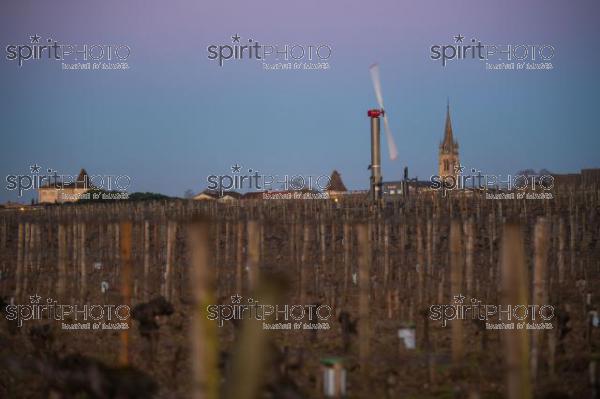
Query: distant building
{"points": [[61, 191], [302, 194], [253, 195], [393, 188], [448, 156], [336, 187], [404, 188], [13, 205], [588, 179], [206, 195], [228, 196], [214, 195]]}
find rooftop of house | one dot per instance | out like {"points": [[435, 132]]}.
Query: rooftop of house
{"points": [[216, 194], [336, 183], [82, 181]]}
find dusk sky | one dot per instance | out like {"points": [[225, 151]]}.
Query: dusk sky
{"points": [[176, 116]]}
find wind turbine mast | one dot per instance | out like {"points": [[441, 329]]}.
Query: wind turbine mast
{"points": [[375, 114], [376, 178]]}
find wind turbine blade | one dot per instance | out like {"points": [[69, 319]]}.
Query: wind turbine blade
{"points": [[393, 150], [374, 69]]}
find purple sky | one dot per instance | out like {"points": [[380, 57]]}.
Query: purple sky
{"points": [[176, 117]]}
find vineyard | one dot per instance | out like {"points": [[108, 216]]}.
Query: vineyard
{"points": [[375, 273]]}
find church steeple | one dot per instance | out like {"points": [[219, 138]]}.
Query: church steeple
{"points": [[448, 156], [448, 144]]}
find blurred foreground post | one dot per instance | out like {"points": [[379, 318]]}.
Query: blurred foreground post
{"points": [[469, 253], [203, 331], [239, 270], [170, 261], [20, 261], [364, 261], [456, 282], [253, 232], [514, 293], [540, 295], [561, 251], [62, 261], [82, 266], [347, 248], [420, 267], [304, 264], [250, 353], [146, 258], [125, 287]]}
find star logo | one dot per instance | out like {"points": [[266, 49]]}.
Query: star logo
{"points": [[236, 298], [235, 38], [459, 38], [459, 298], [35, 38], [236, 168], [35, 168], [35, 298], [458, 168]]}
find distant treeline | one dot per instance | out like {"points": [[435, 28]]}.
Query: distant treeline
{"points": [[102, 195]]}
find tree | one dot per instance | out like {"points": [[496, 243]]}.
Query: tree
{"points": [[189, 194], [526, 172]]}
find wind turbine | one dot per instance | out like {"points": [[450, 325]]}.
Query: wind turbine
{"points": [[375, 114]]}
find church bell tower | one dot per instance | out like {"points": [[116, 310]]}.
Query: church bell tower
{"points": [[448, 156]]}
